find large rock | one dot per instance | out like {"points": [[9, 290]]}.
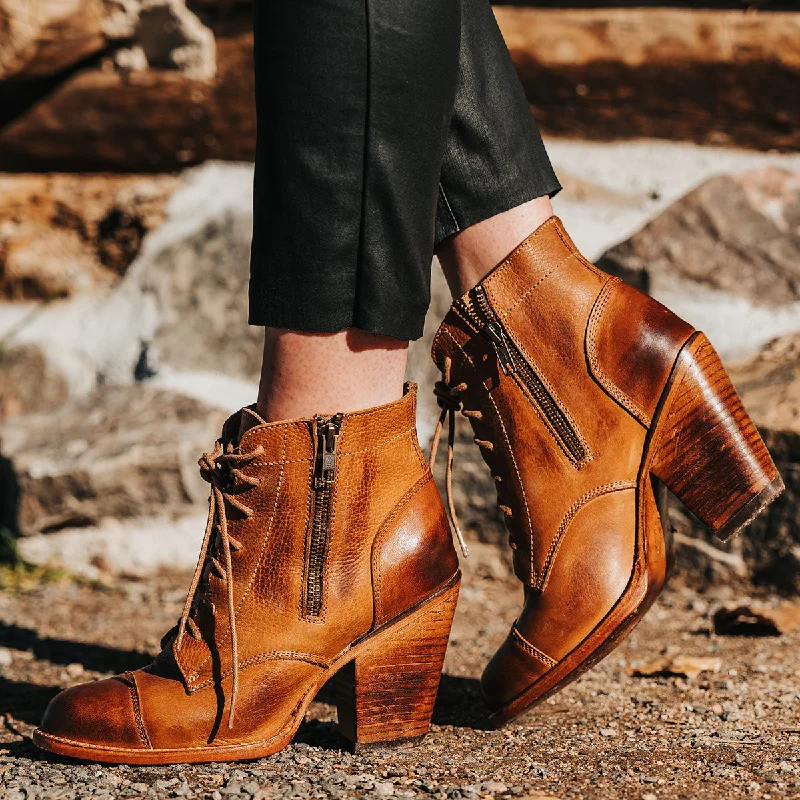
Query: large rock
{"points": [[200, 287], [770, 389], [726, 251], [60, 234], [116, 453], [722, 76], [42, 37], [701, 75], [180, 308], [130, 119]]}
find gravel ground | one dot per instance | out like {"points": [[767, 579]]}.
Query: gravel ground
{"points": [[730, 734]]}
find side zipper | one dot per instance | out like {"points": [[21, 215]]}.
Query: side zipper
{"points": [[327, 441], [482, 317]]}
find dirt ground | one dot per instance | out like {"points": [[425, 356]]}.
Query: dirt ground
{"points": [[727, 734]]}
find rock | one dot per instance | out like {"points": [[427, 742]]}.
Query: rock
{"points": [[767, 552], [172, 37], [727, 250], [46, 37], [738, 234], [118, 452], [597, 73], [170, 118], [60, 234], [29, 384], [677, 666], [200, 287], [757, 618], [182, 306], [672, 73], [43, 37]]}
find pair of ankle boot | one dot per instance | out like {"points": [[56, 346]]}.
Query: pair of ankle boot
{"points": [[328, 550]]}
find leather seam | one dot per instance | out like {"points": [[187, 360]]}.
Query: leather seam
{"points": [[195, 674], [522, 642], [551, 222], [595, 367], [261, 658], [380, 536], [592, 494], [508, 447], [505, 313], [133, 690]]}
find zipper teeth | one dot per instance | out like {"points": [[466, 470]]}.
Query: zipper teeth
{"points": [[322, 482], [550, 409], [316, 551], [534, 385]]}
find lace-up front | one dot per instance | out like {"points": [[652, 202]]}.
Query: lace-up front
{"points": [[450, 401], [223, 471]]}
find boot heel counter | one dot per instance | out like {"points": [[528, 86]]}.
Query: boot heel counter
{"points": [[632, 342], [413, 554]]}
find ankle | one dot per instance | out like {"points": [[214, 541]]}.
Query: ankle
{"points": [[469, 256], [307, 374]]}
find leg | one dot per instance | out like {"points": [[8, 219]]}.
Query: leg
{"points": [[345, 193], [304, 374], [496, 178]]}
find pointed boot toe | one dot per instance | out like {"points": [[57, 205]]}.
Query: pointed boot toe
{"points": [[93, 715]]}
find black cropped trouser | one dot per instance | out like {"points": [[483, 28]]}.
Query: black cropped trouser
{"points": [[384, 126]]}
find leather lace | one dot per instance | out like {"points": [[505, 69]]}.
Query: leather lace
{"points": [[449, 399], [450, 402], [223, 471]]}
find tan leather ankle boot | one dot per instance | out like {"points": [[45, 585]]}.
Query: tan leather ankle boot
{"points": [[586, 396], [327, 551]]}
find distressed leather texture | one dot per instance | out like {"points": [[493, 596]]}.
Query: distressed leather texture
{"points": [[388, 548], [603, 353]]}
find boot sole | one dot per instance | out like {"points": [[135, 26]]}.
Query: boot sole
{"points": [[390, 698], [703, 446]]}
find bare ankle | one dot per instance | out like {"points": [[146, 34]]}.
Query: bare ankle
{"points": [[471, 254], [306, 374]]}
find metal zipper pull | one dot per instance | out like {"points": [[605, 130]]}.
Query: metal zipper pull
{"points": [[499, 342], [327, 443]]}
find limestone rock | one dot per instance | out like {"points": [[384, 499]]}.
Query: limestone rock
{"points": [[60, 234], [727, 251], [738, 234], [118, 452], [200, 284]]}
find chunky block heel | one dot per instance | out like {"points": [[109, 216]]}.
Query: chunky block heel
{"points": [[386, 693], [706, 448]]}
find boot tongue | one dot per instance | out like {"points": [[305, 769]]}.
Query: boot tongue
{"points": [[249, 419]]}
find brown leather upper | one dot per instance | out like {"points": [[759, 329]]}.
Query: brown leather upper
{"points": [[563, 433], [388, 548]]}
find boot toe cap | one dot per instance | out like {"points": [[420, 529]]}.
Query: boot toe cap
{"points": [[102, 714]]}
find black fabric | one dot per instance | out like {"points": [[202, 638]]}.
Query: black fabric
{"points": [[384, 126]]}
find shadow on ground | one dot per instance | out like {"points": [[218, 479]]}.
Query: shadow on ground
{"points": [[93, 657]]}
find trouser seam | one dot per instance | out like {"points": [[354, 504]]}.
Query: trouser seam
{"points": [[449, 208]]}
